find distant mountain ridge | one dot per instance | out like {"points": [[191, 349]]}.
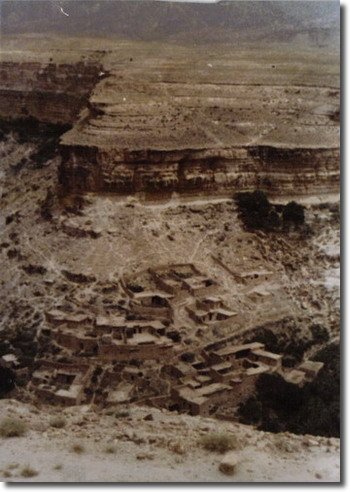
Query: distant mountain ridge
{"points": [[159, 20]]}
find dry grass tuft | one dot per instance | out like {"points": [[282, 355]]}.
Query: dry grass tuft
{"points": [[11, 427], [122, 414], [78, 448], [58, 422], [219, 443], [110, 449], [177, 448], [28, 472], [58, 467]]}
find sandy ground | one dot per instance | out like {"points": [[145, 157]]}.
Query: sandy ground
{"points": [[165, 449]]}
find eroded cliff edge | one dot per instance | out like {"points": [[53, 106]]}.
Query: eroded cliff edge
{"points": [[162, 119]]}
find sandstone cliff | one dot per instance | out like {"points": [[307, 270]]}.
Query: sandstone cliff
{"points": [[157, 119]]}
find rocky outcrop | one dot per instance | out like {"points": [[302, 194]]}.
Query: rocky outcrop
{"points": [[160, 137], [44, 90], [289, 171], [160, 127]]}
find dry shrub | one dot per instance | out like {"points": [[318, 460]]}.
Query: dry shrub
{"points": [[11, 427], [78, 448], [28, 472], [58, 422], [110, 449], [121, 414], [177, 448], [219, 443], [284, 445]]}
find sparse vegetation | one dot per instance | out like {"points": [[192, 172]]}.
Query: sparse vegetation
{"points": [[58, 422], [110, 449], [58, 467], [121, 414], [12, 427], [219, 443], [28, 472], [78, 448], [258, 213], [177, 448]]}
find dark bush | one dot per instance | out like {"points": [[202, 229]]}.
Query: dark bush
{"points": [[187, 357], [278, 394], [135, 288], [174, 336], [311, 409], [251, 411], [256, 201], [47, 205], [34, 269], [254, 209], [319, 333], [293, 212], [258, 213], [7, 380], [289, 361], [273, 221]]}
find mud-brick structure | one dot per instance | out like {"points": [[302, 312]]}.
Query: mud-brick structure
{"points": [[215, 378], [207, 311], [57, 317], [61, 383], [140, 347], [135, 352], [310, 368]]}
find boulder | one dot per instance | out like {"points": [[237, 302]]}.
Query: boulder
{"points": [[228, 463]]}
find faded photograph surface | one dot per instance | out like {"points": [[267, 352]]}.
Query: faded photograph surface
{"points": [[169, 241]]}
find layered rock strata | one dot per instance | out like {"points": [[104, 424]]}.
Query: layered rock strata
{"points": [[155, 124], [191, 138], [44, 90]]}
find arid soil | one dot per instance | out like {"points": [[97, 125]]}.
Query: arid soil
{"points": [[68, 244], [129, 447]]}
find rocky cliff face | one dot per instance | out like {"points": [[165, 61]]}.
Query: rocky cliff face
{"points": [[44, 90], [213, 135], [278, 171], [188, 120]]}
